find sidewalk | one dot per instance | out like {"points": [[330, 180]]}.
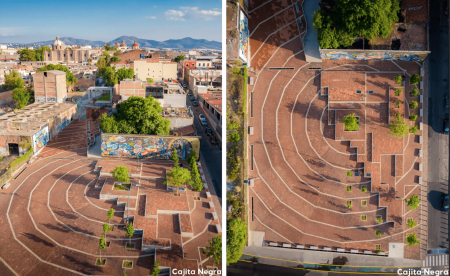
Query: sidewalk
{"points": [[310, 44]]}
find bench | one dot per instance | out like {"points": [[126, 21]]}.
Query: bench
{"points": [[340, 250], [367, 252], [299, 246], [219, 229], [6, 186], [313, 247], [211, 205], [273, 244], [327, 248], [354, 251], [215, 217], [208, 195], [206, 186], [420, 167], [287, 245]]}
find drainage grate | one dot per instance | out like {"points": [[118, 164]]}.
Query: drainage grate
{"points": [[281, 68], [314, 68]]}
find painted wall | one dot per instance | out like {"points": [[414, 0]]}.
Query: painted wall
{"points": [[40, 139], [372, 55], [150, 147]]}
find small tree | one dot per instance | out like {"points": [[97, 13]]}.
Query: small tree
{"points": [[178, 177], [175, 158], [130, 230], [110, 215], [349, 173], [235, 137], [215, 249], [398, 127], [398, 92], [150, 80], [398, 104], [363, 189], [415, 92], [415, 79], [349, 189], [350, 122], [412, 239], [101, 246], [411, 223], [121, 174], [414, 104], [156, 270], [379, 219], [21, 97], [378, 233], [413, 117], [105, 228], [413, 202], [398, 79], [413, 130]]}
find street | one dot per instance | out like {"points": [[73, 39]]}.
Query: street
{"points": [[211, 155], [438, 143]]}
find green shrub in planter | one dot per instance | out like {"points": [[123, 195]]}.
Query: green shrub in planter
{"points": [[398, 79]]}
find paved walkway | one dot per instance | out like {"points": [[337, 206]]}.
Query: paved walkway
{"points": [[310, 44], [315, 259]]}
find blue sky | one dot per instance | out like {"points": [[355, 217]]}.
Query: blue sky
{"points": [[31, 21]]}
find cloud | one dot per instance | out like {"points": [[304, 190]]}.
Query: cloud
{"points": [[192, 13], [151, 17]]}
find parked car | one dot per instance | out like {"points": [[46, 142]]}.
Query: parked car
{"points": [[213, 140], [208, 131], [201, 117], [445, 203], [189, 93], [204, 123], [195, 103], [192, 98], [446, 128]]}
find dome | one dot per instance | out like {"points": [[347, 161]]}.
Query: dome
{"points": [[135, 44], [57, 41], [123, 43]]}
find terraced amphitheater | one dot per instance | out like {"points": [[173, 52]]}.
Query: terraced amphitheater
{"points": [[52, 215], [300, 154]]}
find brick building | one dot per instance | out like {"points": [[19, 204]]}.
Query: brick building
{"points": [[138, 54], [50, 86]]}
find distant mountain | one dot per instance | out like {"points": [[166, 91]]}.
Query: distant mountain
{"points": [[184, 43]]}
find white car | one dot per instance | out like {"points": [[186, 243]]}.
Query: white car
{"points": [[201, 117]]}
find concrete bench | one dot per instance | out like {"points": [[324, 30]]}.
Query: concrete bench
{"points": [[6, 186], [287, 245], [420, 126], [354, 251], [219, 229], [211, 205], [421, 84], [420, 167], [367, 252], [327, 248], [421, 139], [250, 130], [215, 217], [420, 180], [340, 250], [382, 254], [208, 195], [421, 112], [420, 153], [206, 186], [421, 71], [199, 165], [313, 247], [299, 246], [421, 98], [273, 244]]}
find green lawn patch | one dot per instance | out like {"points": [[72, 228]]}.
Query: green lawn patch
{"points": [[100, 262], [363, 218], [127, 264], [106, 97], [121, 187], [364, 203]]}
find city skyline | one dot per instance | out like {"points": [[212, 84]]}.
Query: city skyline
{"points": [[167, 20]]}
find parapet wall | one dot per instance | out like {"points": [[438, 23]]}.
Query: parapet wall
{"points": [[350, 54]]}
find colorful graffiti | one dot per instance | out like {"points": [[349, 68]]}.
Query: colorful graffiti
{"points": [[243, 36], [150, 147], [40, 139], [372, 55]]}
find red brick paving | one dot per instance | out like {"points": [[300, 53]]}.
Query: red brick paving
{"points": [[64, 178], [301, 183]]}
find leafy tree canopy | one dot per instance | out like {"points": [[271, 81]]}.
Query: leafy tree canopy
{"points": [[415, 79], [398, 127], [177, 177], [413, 202], [115, 59], [350, 122], [21, 97], [27, 55], [150, 80], [108, 47], [70, 78], [236, 238], [411, 223], [121, 174], [214, 249], [13, 80], [175, 158], [156, 270], [338, 25], [411, 239], [123, 73], [179, 58]]}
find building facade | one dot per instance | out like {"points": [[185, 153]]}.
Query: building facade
{"points": [[50, 86], [158, 71], [59, 53]]}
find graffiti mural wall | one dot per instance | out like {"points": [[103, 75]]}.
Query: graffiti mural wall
{"points": [[243, 36], [40, 139], [151, 147], [372, 55]]}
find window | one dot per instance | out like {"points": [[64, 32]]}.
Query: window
{"points": [[370, 92], [358, 91]]}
